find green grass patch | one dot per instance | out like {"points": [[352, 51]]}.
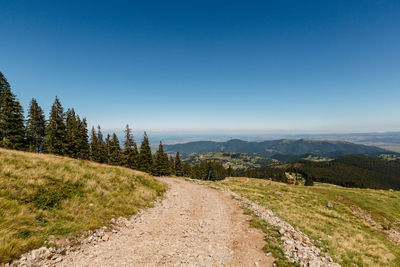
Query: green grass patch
{"points": [[348, 238], [44, 197]]}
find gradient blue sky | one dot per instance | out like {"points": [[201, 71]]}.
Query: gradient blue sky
{"points": [[269, 66]]}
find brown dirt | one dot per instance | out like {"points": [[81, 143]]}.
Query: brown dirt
{"points": [[193, 226]]}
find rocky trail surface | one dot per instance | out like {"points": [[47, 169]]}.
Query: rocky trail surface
{"points": [[193, 226]]}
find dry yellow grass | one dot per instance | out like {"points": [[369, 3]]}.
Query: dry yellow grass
{"points": [[46, 196], [348, 238]]}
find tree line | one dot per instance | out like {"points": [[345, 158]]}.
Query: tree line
{"points": [[66, 134]]}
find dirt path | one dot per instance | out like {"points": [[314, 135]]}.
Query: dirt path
{"points": [[193, 226]]}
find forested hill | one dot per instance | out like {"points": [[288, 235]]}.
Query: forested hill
{"points": [[354, 171], [267, 149]]}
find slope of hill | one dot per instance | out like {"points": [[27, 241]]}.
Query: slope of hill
{"points": [[268, 149], [45, 197], [354, 171], [360, 228]]}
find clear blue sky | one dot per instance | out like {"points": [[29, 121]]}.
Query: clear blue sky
{"points": [[324, 66]]}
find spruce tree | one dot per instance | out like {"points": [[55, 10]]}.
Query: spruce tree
{"points": [[83, 139], [12, 129], [186, 169], [145, 156], [171, 166], [130, 150], [95, 146], [178, 165], [115, 152], [35, 127], [103, 155], [55, 138], [161, 163], [106, 149], [71, 138]]}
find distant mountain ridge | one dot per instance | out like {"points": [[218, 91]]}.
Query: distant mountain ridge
{"points": [[268, 149]]}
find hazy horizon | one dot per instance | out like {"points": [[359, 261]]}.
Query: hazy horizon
{"points": [[209, 66]]}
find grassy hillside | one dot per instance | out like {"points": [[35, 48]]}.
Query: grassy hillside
{"points": [[46, 197], [360, 228]]}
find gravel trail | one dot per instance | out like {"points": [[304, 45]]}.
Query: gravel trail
{"points": [[193, 226]]}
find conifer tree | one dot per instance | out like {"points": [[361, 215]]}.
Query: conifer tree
{"points": [[178, 165], [171, 166], [115, 152], [130, 150], [161, 163], [103, 155], [12, 129], [95, 146], [106, 148], [186, 169], [145, 157], [55, 138], [71, 138], [83, 139], [35, 127]]}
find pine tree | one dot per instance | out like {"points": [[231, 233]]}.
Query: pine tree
{"points": [[55, 138], [12, 130], [71, 138], [130, 150], [106, 149], [309, 181], [178, 165], [186, 169], [161, 164], [35, 127], [95, 146], [171, 166], [145, 157], [115, 152], [103, 155], [83, 139]]}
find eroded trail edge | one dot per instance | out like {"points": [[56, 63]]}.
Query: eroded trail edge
{"points": [[194, 225]]}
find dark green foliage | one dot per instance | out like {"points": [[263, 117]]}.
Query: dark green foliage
{"points": [[56, 131], [83, 140], [171, 165], [145, 161], [103, 147], [71, 134], [51, 194], [106, 147], [130, 150], [178, 165], [160, 162], [95, 146], [209, 170], [265, 172], [354, 171], [114, 151], [35, 127], [12, 130], [309, 181], [186, 169]]}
